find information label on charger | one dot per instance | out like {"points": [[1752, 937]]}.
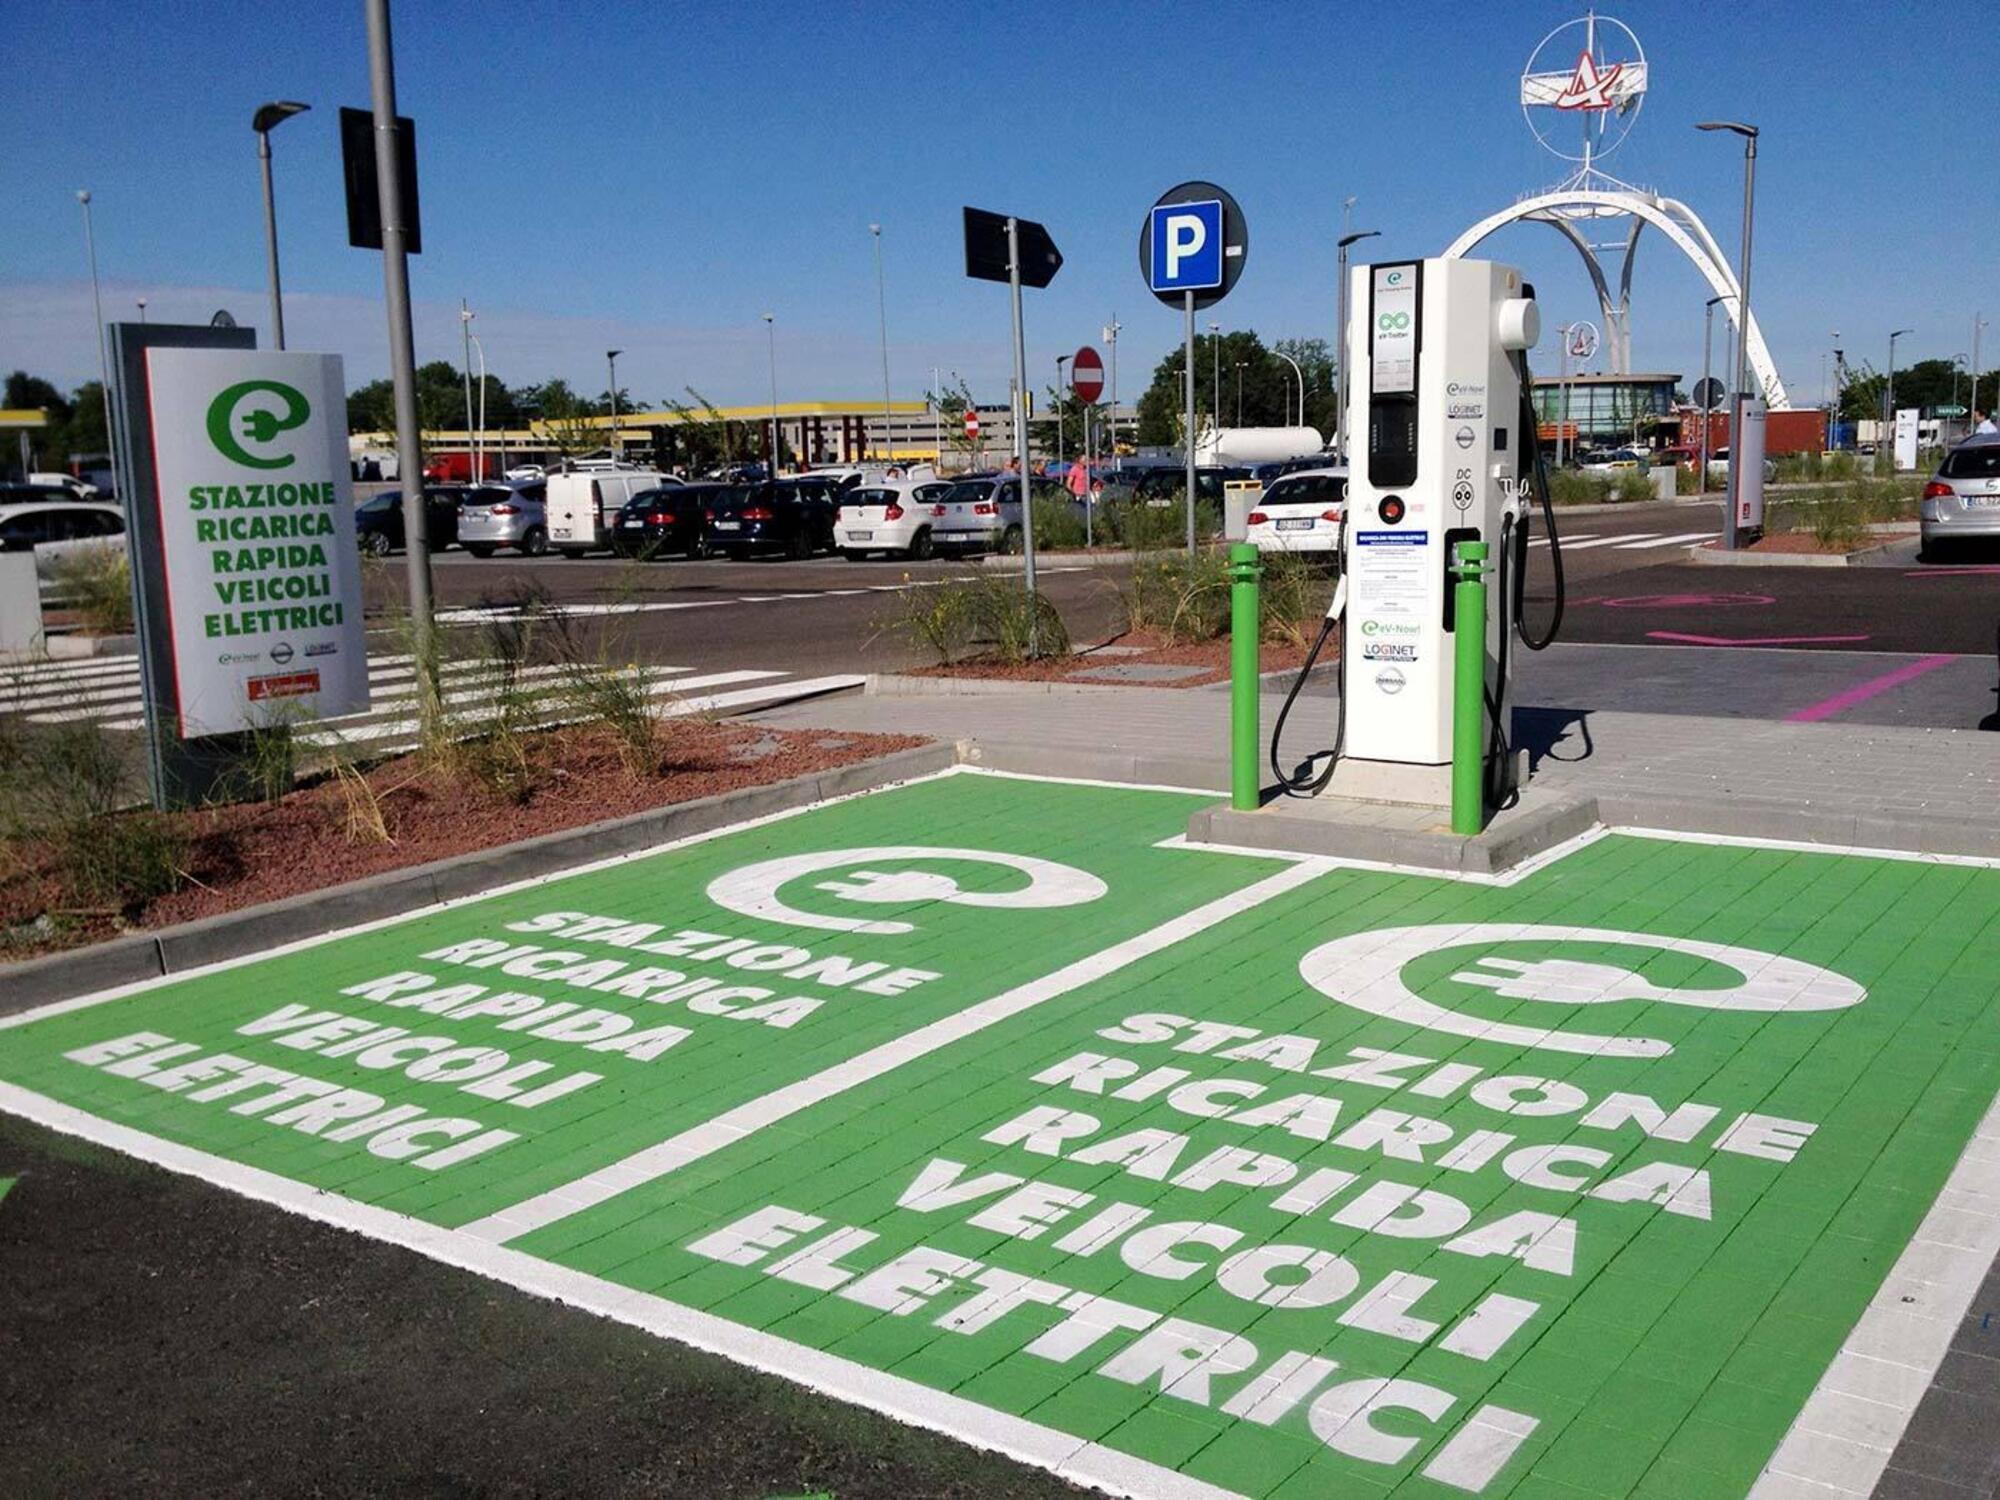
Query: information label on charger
{"points": [[1390, 578], [1393, 332]]}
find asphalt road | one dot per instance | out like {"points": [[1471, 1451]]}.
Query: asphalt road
{"points": [[161, 1336], [1897, 640]]}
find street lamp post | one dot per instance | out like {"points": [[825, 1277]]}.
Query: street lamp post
{"points": [[1214, 376], [1839, 389], [1302, 382], [1341, 399], [1111, 332], [142, 316], [103, 359], [882, 312], [1707, 333], [777, 444], [1239, 391], [1889, 402], [1972, 400], [267, 119], [465, 316], [611, 359], [1061, 360], [1740, 376]]}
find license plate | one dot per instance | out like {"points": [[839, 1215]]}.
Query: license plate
{"points": [[632, 525], [1982, 502], [1301, 524], [561, 532], [728, 525], [861, 536]]}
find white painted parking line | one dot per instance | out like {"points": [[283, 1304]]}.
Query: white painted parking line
{"points": [[1667, 541], [1606, 541], [1568, 540]]}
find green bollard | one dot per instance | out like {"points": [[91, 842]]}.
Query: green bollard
{"points": [[1468, 695], [1245, 783]]}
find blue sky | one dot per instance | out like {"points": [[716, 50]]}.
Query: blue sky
{"points": [[654, 177]]}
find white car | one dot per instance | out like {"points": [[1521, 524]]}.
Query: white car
{"points": [[79, 489], [54, 529], [1614, 461], [894, 516], [1718, 467], [1300, 512]]}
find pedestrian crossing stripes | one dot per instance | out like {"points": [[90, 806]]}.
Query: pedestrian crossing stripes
{"points": [[108, 692], [1639, 541]]}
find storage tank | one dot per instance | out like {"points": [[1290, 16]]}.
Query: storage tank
{"points": [[1256, 445]]}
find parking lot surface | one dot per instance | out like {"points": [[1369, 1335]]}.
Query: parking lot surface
{"points": [[988, 1104]]}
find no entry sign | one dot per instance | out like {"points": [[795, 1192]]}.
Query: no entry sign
{"points": [[972, 421], [1086, 375]]}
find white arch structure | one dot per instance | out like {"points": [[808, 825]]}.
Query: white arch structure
{"points": [[1562, 207]]}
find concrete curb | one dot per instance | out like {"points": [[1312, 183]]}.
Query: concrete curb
{"points": [[903, 685], [1185, 772], [1709, 557], [173, 950], [1512, 838], [1004, 562], [73, 648]]}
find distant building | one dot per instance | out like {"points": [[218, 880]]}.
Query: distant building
{"points": [[814, 432], [1603, 411]]}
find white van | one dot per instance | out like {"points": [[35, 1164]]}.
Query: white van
{"points": [[583, 506]]}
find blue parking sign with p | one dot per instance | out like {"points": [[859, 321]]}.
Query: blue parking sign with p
{"points": [[1187, 246]]}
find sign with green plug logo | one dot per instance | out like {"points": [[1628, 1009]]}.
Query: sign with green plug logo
{"points": [[256, 518]]}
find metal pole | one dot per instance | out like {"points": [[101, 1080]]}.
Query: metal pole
{"points": [[1021, 437], [777, 442], [271, 240], [1239, 392], [402, 359], [1111, 338], [1215, 374], [1731, 536], [103, 358], [465, 338], [479, 437], [1302, 382], [1707, 336], [882, 311], [1340, 338], [1468, 718], [1061, 360], [1972, 401], [1188, 456], [611, 359], [1245, 784]]}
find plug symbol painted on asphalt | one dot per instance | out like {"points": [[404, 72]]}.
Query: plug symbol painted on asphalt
{"points": [[755, 890], [1364, 971], [1560, 981], [893, 887]]}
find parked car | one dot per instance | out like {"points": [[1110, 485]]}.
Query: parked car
{"points": [[668, 518], [1962, 500], [1614, 460], [586, 504], [492, 516], [1300, 512], [79, 489], [983, 513], [378, 520], [1718, 466], [54, 529], [1266, 472], [1163, 486], [892, 516], [789, 518]]}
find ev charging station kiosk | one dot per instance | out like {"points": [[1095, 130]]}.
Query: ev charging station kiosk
{"points": [[1449, 445]]}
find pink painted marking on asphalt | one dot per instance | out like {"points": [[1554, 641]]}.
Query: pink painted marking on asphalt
{"points": [[1958, 572], [1862, 692], [1687, 601], [1760, 640]]}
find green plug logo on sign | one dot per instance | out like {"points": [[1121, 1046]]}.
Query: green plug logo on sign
{"points": [[260, 423]]}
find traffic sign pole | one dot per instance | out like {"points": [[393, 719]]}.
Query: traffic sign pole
{"points": [[1187, 333], [1021, 436]]}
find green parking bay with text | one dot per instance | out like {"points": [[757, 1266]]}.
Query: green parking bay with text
{"points": [[990, 1103]]}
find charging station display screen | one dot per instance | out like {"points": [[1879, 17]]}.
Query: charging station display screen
{"points": [[1393, 333]]}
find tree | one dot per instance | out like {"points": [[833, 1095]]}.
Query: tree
{"points": [[953, 402], [704, 439], [1322, 403], [1265, 381]]}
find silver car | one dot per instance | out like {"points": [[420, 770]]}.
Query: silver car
{"points": [[492, 516], [1963, 497]]}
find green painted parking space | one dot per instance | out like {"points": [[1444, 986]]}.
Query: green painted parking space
{"points": [[1191, 1172], [455, 1064]]}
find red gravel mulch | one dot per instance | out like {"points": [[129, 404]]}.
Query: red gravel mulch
{"points": [[248, 853], [1155, 650]]}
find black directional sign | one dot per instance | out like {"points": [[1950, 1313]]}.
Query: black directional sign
{"points": [[986, 249], [364, 203], [1708, 393]]}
